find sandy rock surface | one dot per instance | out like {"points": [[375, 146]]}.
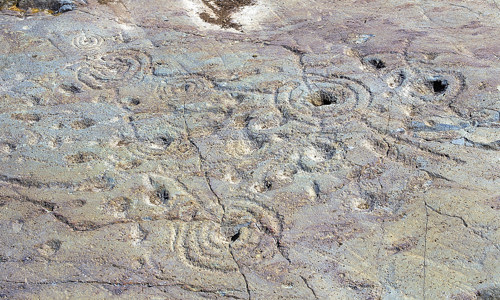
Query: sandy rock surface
{"points": [[194, 149]]}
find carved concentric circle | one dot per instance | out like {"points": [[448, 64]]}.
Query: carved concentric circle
{"points": [[114, 69], [322, 97], [436, 85], [87, 41], [201, 245], [250, 212], [252, 227]]}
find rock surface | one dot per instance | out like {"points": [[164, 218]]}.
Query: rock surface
{"points": [[194, 149]]}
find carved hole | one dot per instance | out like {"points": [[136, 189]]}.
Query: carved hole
{"points": [[268, 184], [377, 63], [235, 237], [163, 195], [438, 86], [323, 98]]}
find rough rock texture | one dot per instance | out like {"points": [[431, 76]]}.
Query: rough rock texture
{"points": [[54, 6], [192, 149]]}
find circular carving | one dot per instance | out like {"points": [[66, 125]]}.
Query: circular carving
{"points": [[252, 227], [114, 69], [323, 97], [436, 85], [87, 41], [201, 245]]}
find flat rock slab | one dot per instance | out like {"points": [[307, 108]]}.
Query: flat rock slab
{"points": [[194, 149]]}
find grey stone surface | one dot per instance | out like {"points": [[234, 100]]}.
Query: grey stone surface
{"points": [[307, 150]]}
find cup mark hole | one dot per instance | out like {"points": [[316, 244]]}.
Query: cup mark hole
{"points": [[235, 237], [323, 97], [377, 63], [163, 195], [438, 86]]}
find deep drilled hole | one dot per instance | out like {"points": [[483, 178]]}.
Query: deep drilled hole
{"points": [[163, 195], [327, 98], [268, 184], [377, 63], [438, 85], [235, 237], [323, 98]]}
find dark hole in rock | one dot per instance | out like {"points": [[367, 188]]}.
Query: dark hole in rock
{"points": [[438, 86], [163, 195], [323, 98], [235, 237], [135, 101], [377, 63], [166, 141], [268, 184]]}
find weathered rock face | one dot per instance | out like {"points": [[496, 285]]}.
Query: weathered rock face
{"points": [[254, 149], [51, 5]]}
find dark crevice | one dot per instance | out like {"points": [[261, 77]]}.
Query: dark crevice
{"points": [[447, 215], [327, 98], [163, 195], [235, 237], [322, 98], [317, 189], [438, 86], [309, 287], [377, 63], [201, 160]]}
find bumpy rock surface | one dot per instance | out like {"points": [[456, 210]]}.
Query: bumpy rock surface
{"points": [[194, 149]]}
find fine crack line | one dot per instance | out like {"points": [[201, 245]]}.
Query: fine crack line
{"points": [[242, 274], [277, 240], [447, 215], [219, 200], [476, 232], [309, 287], [425, 248], [300, 54], [434, 175]]}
